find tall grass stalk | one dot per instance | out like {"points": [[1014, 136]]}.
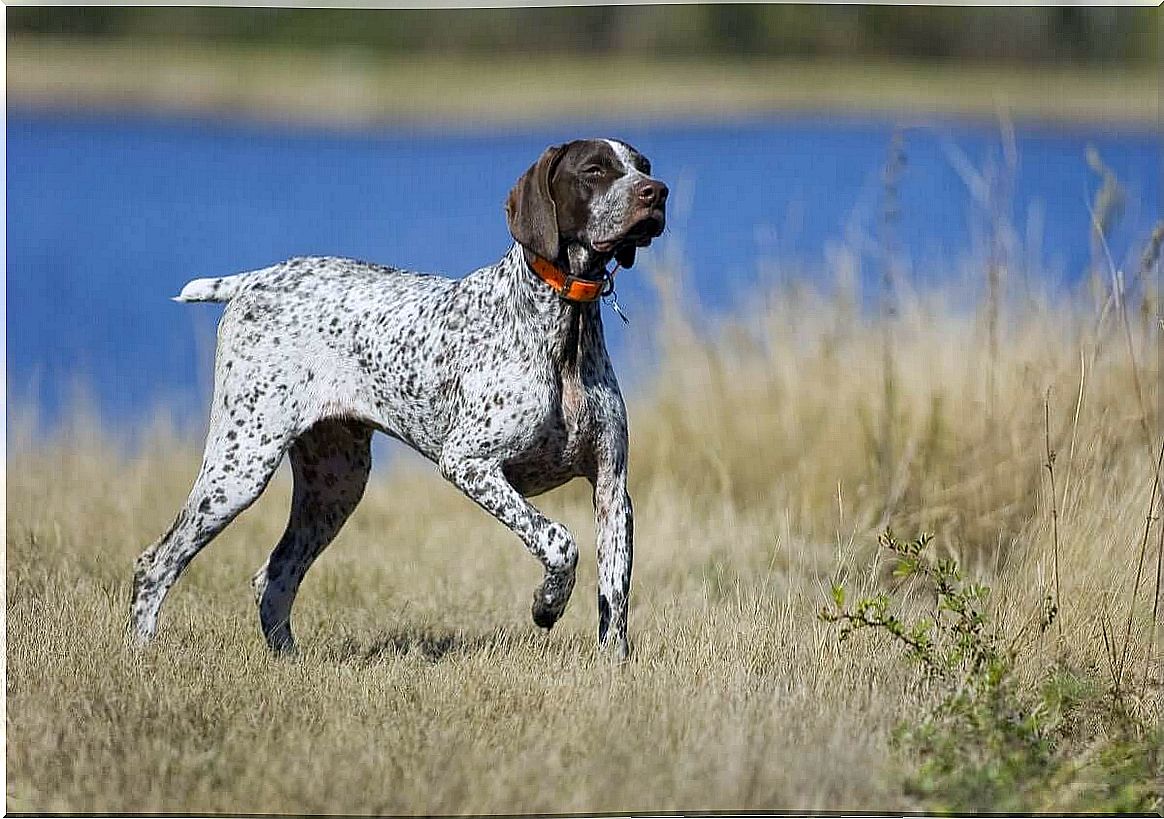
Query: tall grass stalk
{"points": [[1050, 465], [1121, 307], [1151, 652], [1148, 519], [999, 201], [890, 217], [1148, 261], [1074, 426]]}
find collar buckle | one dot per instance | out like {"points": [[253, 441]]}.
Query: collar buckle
{"points": [[575, 289]]}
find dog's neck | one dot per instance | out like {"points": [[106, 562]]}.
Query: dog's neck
{"points": [[568, 327]]}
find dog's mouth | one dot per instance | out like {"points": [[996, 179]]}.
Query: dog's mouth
{"points": [[639, 234]]}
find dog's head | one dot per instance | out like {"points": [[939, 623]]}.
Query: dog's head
{"points": [[598, 193]]}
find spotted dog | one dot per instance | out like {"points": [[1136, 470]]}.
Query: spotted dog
{"points": [[500, 378]]}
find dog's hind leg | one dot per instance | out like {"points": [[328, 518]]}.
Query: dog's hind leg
{"points": [[330, 463], [237, 465]]}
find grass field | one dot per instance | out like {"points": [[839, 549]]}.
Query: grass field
{"points": [[352, 87], [767, 455]]}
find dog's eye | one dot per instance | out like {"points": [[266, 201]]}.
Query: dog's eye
{"points": [[593, 170]]}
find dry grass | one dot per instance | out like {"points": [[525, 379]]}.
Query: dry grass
{"points": [[357, 86], [424, 688]]}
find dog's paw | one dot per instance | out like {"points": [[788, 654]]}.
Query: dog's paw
{"points": [[544, 616], [615, 649], [551, 598]]}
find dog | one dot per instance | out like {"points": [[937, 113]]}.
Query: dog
{"points": [[500, 378]]}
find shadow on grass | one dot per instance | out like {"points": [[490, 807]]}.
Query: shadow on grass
{"points": [[432, 645]]}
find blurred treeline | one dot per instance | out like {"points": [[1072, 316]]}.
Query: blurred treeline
{"points": [[1008, 35]]}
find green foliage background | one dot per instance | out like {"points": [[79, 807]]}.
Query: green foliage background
{"points": [[1010, 35]]}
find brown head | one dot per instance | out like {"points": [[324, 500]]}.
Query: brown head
{"points": [[596, 193]]}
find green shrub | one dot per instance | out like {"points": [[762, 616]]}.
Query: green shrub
{"points": [[976, 739]]}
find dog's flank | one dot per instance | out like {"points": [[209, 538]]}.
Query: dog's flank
{"points": [[504, 385]]}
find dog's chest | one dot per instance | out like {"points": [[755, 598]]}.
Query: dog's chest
{"points": [[560, 445]]}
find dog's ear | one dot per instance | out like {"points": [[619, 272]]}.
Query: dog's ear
{"points": [[530, 210], [625, 256]]}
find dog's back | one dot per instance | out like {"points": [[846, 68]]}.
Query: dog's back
{"points": [[338, 337], [306, 275]]}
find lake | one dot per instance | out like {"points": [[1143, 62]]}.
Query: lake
{"points": [[109, 216]]}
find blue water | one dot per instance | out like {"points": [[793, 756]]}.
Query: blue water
{"points": [[109, 217]]}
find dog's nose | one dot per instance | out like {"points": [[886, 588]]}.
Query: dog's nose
{"points": [[652, 193]]}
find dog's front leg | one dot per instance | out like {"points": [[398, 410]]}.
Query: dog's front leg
{"points": [[483, 481], [614, 524]]}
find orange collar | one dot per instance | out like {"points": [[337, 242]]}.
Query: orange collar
{"points": [[568, 287]]}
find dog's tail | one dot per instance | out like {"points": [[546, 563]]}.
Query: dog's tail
{"points": [[223, 288]]}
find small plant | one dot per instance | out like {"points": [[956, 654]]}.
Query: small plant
{"points": [[955, 640], [982, 742]]}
